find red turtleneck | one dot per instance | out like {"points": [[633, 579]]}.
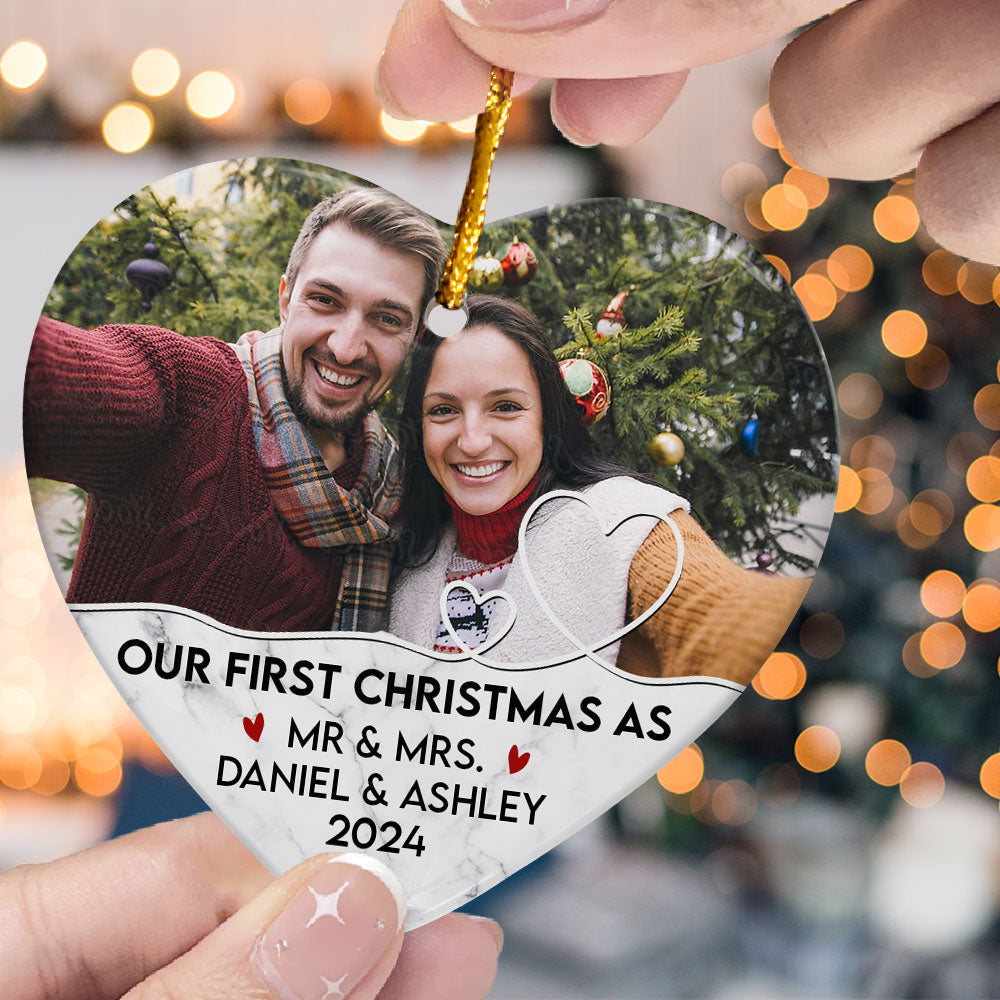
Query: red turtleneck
{"points": [[490, 538]]}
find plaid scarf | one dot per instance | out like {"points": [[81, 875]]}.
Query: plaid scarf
{"points": [[312, 505]]}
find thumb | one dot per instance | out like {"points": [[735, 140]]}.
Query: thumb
{"points": [[330, 928]]}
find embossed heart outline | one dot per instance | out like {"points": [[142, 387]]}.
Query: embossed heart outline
{"points": [[590, 652]]}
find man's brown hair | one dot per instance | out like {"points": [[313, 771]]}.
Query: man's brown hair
{"points": [[382, 217]]}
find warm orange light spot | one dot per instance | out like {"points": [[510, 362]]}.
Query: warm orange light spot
{"points": [[97, 772], [751, 209], [922, 785], [908, 533], [983, 479], [940, 271], [982, 527], [54, 777], [876, 491], [155, 72], [996, 299], [873, 451], [942, 645], [307, 101], [210, 94], [932, 512], [814, 187], [987, 406], [684, 772], [817, 748], [127, 127], [859, 395], [886, 762], [822, 635], [942, 593], [913, 659], [20, 765], [850, 267], [904, 333], [989, 776], [763, 128], [734, 802], [781, 677], [784, 207], [740, 179], [885, 520], [975, 281], [929, 369], [981, 609], [848, 490], [780, 266], [402, 130], [896, 218], [23, 64], [786, 155], [817, 295]]}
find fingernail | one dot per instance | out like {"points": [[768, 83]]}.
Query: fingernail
{"points": [[494, 930], [527, 15], [333, 930]]}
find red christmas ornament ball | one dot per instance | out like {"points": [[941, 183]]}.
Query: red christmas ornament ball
{"points": [[519, 263], [589, 386]]}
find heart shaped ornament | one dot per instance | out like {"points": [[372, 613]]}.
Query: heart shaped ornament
{"points": [[444, 610]]}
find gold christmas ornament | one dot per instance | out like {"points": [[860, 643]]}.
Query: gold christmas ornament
{"points": [[666, 449]]}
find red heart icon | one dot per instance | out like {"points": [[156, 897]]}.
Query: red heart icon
{"points": [[517, 761], [254, 728]]}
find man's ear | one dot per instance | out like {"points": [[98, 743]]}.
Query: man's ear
{"points": [[284, 294]]}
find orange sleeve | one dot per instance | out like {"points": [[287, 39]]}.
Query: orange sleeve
{"points": [[720, 621]]}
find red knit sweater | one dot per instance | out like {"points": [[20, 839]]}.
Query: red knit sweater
{"points": [[157, 429]]}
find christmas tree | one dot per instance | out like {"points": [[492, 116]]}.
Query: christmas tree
{"points": [[713, 341]]}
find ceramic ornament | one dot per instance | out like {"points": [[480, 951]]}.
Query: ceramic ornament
{"points": [[459, 714]]}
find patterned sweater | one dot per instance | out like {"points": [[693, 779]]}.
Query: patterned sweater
{"points": [[156, 428]]}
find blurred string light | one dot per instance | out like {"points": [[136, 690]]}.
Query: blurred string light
{"points": [[155, 72], [904, 333], [817, 748], [850, 267], [23, 64], [942, 593], [989, 775], [210, 94], [982, 527], [859, 395], [886, 762], [975, 282], [60, 724], [127, 127], [307, 101], [922, 785], [848, 490], [942, 645], [821, 636], [981, 607], [986, 406], [782, 676], [982, 479], [684, 773], [896, 218], [402, 131]]}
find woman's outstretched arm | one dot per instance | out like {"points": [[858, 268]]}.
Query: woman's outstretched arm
{"points": [[720, 621]]}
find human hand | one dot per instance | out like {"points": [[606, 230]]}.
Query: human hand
{"points": [[875, 89], [184, 910]]}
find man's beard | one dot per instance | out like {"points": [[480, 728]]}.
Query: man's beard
{"points": [[343, 422]]}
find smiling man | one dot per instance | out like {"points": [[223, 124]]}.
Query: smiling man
{"points": [[251, 482]]}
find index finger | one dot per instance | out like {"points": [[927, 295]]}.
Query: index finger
{"points": [[94, 924], [436, 62]]}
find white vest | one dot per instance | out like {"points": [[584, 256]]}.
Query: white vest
{"points": [[581, 572]]}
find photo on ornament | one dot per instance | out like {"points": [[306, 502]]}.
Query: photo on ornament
{"points": [[444, 600], [230, 409]]}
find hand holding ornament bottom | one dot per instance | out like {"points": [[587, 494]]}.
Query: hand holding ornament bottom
{"points": [[183, 909]]}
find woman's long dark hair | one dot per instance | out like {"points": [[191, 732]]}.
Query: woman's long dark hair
{"points": [[570, 456]]}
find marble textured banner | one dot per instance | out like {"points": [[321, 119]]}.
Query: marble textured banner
{"points": [[452, 772]]}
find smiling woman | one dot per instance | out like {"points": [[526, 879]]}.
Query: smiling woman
{"points": [[489, 429]]}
